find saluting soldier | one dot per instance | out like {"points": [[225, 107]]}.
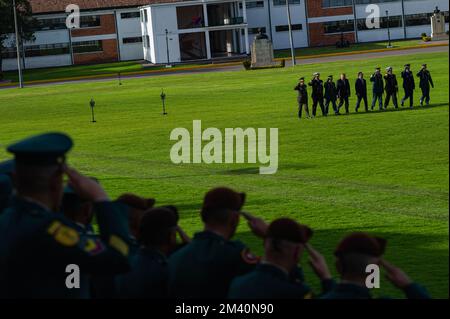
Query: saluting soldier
{"points": [[330, 95], [353, 254], [37, 243], [391, 88], [317, 94], [302, 98], [149, 275], [205, 267], [343, 91], [409, 85], [285, 242], [377, 88], [425, 81], [361, 92]]}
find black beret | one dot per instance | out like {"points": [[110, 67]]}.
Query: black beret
{"points": [[289, 230], [407, 65], [361, 243], [223, 198], [44, 149]]}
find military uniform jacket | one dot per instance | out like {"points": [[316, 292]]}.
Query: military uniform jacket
{"points": [[391, 83], [377, 80], [330, 91], [361, 87], [408, 81], [270, 282], [205, 267], [317, 88], [148, 277], [36, 246], [302, 93], [343, 88], [425, 79], [353, 291]]}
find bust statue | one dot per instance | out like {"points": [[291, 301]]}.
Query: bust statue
{"points": [[436, 11], [261, 35]]}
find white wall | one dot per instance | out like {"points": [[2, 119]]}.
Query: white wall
{"points": [[128, 28], [39, 62]]}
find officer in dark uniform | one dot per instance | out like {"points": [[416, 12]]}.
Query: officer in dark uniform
{"points": [[361, 92], [391, 88], [330, 95], [425, 81], [205, 267], [36, 243], [353, 254], [302, 98], [409, 85], [317, 94], [343, 92], [284, 245], [377, 88], [149, 273]]}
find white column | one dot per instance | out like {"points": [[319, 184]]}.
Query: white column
{"points": [[208, 43], [244, 15]]}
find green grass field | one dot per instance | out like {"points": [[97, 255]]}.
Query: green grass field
{"points": [[385, 173]]}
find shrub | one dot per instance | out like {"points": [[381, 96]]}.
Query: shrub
{"points": [[426, 39], [247, 64], [423, 35]]}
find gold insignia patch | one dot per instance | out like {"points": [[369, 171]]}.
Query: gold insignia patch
{"points": [[93, 247], [248, 257], [119, 244], [64, 235]]}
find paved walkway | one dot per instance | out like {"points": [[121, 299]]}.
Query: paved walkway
{"points": [[238, 67]]}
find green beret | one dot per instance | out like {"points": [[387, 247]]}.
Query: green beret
{"points": [[44, 149]]}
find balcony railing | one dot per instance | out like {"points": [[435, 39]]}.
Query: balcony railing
{"points": [[228, 21]]}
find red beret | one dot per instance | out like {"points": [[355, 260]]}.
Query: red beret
{"points": [[361, 243], [136, 202], [288, 229], [223, 198]]}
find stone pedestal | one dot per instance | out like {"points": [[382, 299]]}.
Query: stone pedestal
{"points": [[262, 53], [438, 26]]}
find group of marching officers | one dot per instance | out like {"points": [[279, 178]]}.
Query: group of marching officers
{"points": [[338, 94]]}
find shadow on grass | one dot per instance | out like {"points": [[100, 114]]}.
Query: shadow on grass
{"points": [[255, 170], [390, 109]]}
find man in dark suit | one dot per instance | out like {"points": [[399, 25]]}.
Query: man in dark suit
{"points": [[361, 91], [425, 81], [343, 92], [330, 95], [408, 85], [317, 94], [391, 88]]}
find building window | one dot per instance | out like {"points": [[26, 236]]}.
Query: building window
{"points": [[89, 21], [338, 26], [421, 19], [394, 22], [283, 2], [50, 24], [255, 30], [47, 49], [189, 17], [192, 46], [132, 40], [87, 46], [147, 41], [145, 16], [130, 15], [252, 4], [9, 53], [336, 3], [283, 28], [373, 1]]}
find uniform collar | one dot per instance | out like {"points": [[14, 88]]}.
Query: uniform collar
{"points": [[346, 286], [209, 234], [272, 269]]}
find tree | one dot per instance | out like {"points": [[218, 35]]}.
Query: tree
{"points": [[27, 24]]}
